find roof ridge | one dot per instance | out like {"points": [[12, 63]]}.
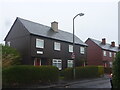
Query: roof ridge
{"points": [[42, 30]]}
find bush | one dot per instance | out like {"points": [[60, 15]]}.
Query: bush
{"points": [[108, 70], [10, 56], [68, 73], [116, 71], [26, 74], [84, 72]]}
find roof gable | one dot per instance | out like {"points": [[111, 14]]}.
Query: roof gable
{"points": [[45, 31], [106, 46]]}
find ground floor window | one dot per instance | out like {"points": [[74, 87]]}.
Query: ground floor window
{"points": [[70, 63], [110, 63], [57, 63]]}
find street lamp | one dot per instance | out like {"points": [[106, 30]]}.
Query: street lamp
{"points": [[73, 55]]}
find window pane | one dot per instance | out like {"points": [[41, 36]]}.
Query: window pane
{"points": [[110, 54], [70, 48], [8, 43], [70, 63], [39, 43], [114, 54], [56, 46], [82, 50], [57, 63], [104, 53]]}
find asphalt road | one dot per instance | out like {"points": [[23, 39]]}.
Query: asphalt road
{"points": [[96, 83]]}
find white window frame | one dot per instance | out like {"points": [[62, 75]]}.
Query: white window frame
{"points": [[57, 46], [70, 48], [56, 62], [39, 41], [104, 53], [110, 63], [110, 54], [8, 43], [69, 63], [82, 50]]}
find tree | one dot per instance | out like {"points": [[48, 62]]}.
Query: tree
{"points": [[10, 56], [116, 71]]}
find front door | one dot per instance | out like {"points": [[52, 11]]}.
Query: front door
{"points": [[37, 62]]}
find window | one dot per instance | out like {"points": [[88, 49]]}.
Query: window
{"points": [[110, 63], [70, 48], [39, 43], [114, 54], [110, 54], [57, 63], [8, 43], [70, 63], [56, 46], [104, 53], [39, 52], [82, 50]]}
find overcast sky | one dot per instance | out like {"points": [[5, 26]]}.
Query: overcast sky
{"points": [[100, 19]]}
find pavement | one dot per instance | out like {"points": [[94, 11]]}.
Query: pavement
{"points": [[65, 84]]}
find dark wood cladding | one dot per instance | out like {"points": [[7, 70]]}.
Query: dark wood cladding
{"points": [[50, 53], [25, 43], [20, 39]]}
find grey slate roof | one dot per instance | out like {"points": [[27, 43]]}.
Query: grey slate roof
{"points": [[106, 46], [45, 31]]}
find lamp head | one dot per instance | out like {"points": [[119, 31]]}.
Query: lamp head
{"points": [[81, 14]]}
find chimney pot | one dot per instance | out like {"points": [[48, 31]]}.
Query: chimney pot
{"points": [[104, 41], [54, 26], [113, 44]]}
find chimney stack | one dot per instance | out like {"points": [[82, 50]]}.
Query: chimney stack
{"points": [[104, 41], [113, 44], [119, 46], [54, 26]]}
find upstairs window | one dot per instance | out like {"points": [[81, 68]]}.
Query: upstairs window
{"points": [[70, 48], [39, 43], [56, 46], [8, 43], [110, 54], [82, 50], [104, 53]]}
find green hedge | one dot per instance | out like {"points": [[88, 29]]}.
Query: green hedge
{"points": [[24, 74], [84, 72], [116, 71], [108, 70]]}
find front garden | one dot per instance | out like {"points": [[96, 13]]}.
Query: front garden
{"points": [[25, 75]]}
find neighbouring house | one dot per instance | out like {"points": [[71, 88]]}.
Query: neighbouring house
{"points": [[44, 45], [100, 52]]}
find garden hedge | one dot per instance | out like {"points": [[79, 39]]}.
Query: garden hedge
{"points": [[108, 70], [84, 72], [24, 74]]}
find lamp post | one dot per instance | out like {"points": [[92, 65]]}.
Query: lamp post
{"points": [[73, 54]]}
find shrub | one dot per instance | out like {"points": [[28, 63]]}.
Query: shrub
{"points": [[116, 71], [26, 74], [84, 72], [108, 70], [10, 56], [68, 73]]}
